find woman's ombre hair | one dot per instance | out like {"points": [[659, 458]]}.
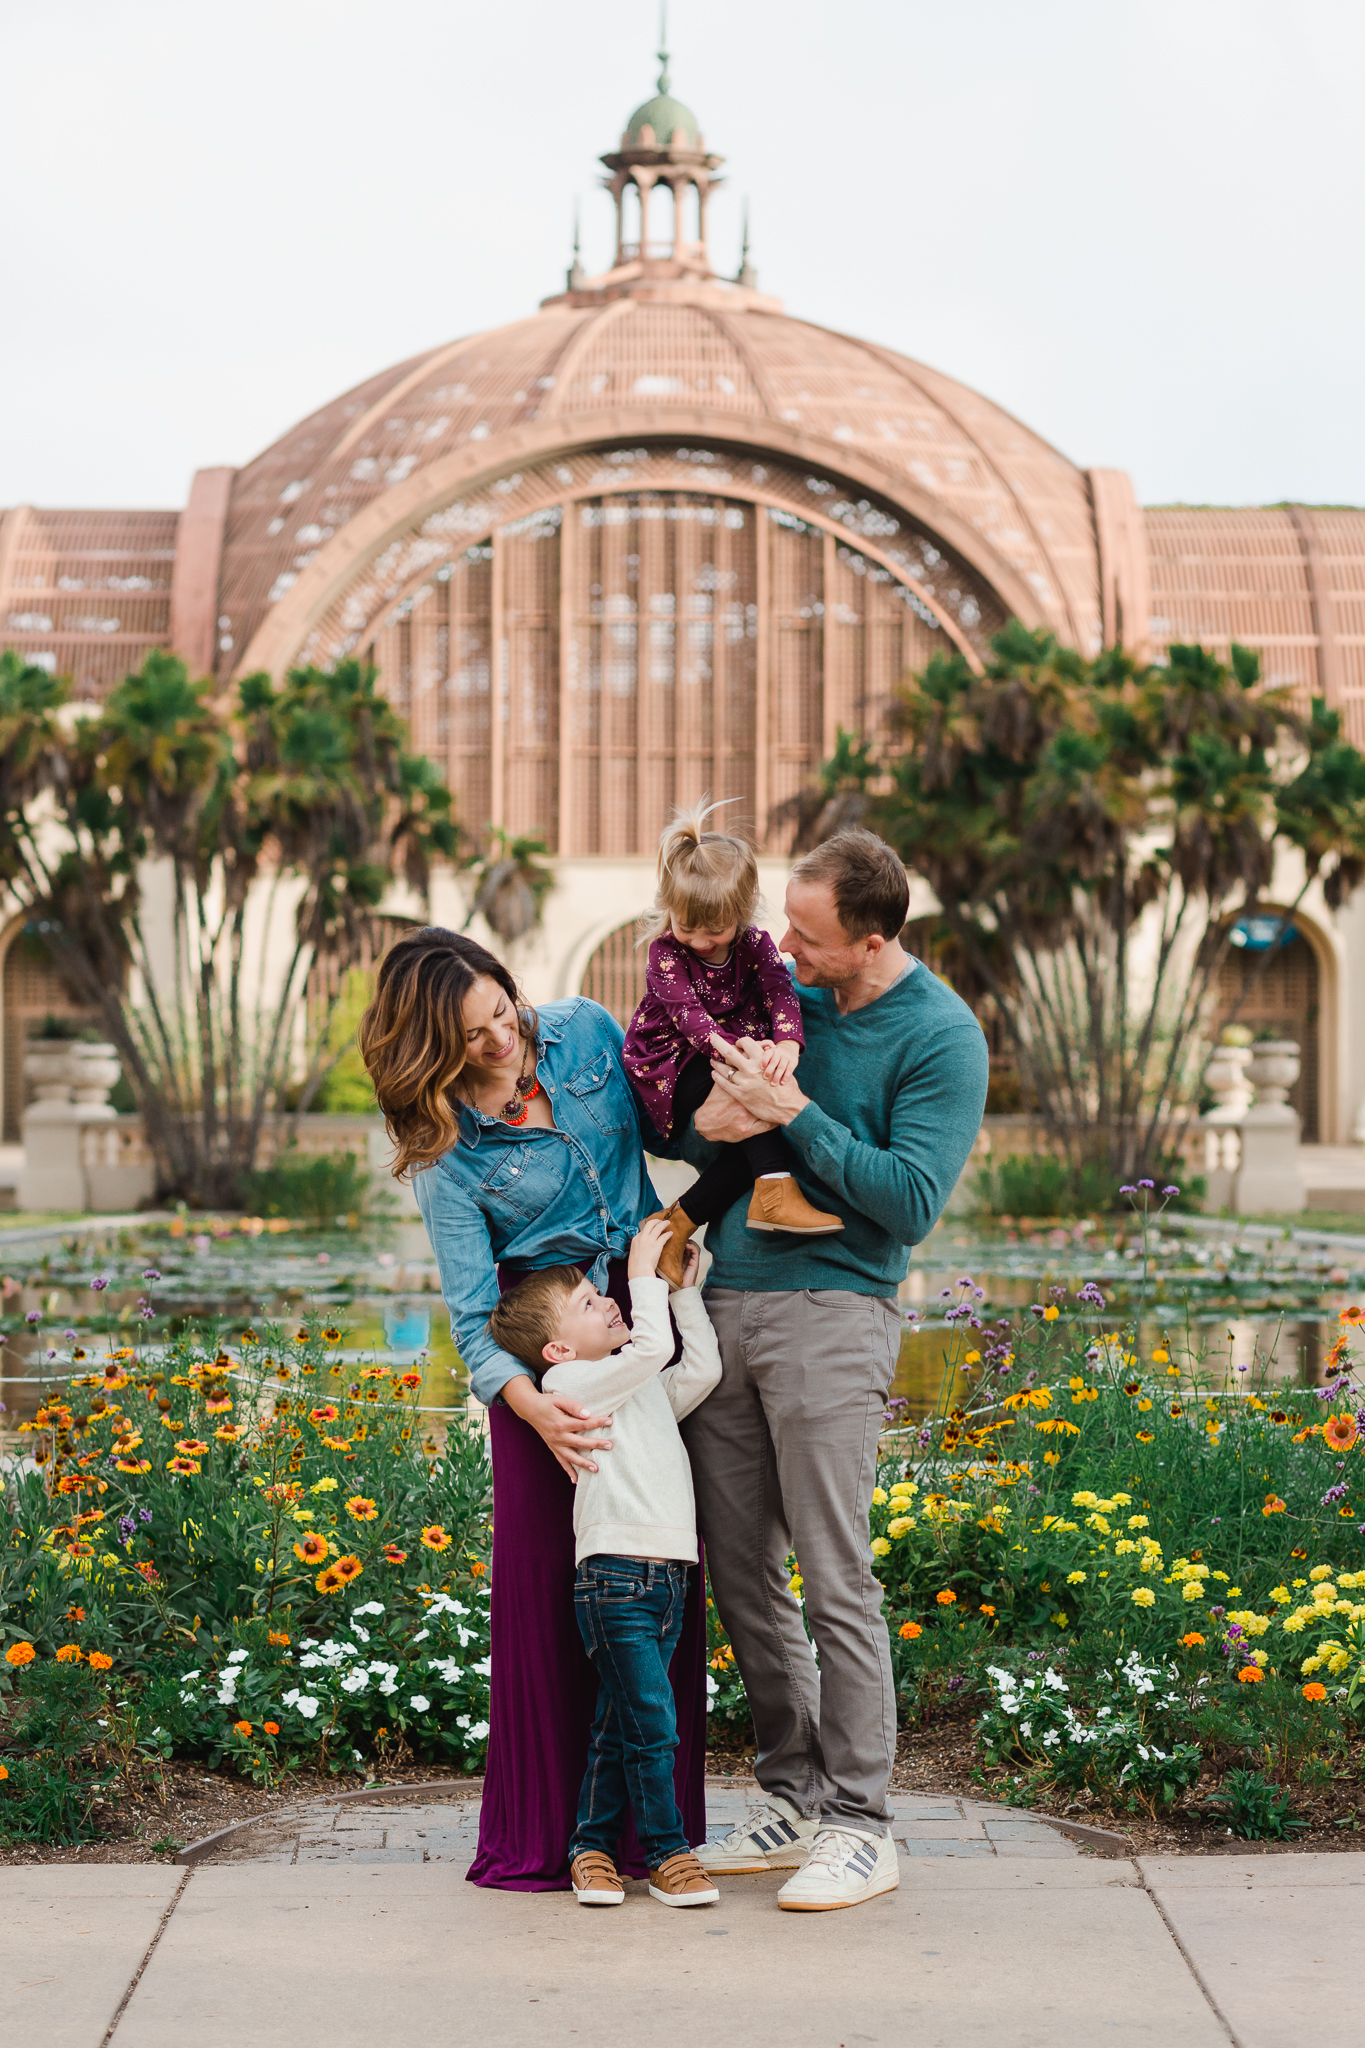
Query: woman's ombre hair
{"points": [[412, 1037]]}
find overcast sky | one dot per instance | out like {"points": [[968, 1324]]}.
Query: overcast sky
{"points": [[1135, 223]]}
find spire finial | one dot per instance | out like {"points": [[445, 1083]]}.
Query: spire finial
{"points": [[664, 80], [747, 274], [575, 276]]}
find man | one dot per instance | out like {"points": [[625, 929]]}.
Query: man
{"points": [[881, 1115]]}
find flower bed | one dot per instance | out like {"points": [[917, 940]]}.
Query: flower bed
{"points": [[243, 1551]]}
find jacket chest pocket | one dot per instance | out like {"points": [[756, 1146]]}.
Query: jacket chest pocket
{"points": [[601, 1090], [526, 1180]]}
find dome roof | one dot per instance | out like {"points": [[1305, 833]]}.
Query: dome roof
{"points": [[668, 121], [684, 363]]}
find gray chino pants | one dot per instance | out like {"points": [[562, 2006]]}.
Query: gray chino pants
{"points": [[784, 1457]]}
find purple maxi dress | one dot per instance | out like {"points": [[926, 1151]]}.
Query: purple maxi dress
{"points": [[544, 1690]]}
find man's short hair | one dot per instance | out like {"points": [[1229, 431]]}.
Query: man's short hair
{"points": [[871, 893], [529, 1314]]}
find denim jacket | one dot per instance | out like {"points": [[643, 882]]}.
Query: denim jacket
{"points": [[573, 1196]]}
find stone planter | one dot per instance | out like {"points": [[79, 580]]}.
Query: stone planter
{"points": [[50, 1067], [1274, 1069], [1226, 1075], [94, 1070]]}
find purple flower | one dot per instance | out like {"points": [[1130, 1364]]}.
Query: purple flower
{"points": [[70, 1336], [945, 1293], [34, 1316], [1090, 1294], [979, 1293], [1170, 1191], [1146, 1183], [98, 1284], [150, 1273], [1127, 1191], [964, 1280], [1334, 1494], [1217, 1610], [144, 1514], [1035, 1308]]}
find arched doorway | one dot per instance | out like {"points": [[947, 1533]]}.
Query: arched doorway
{"points": [[30, 991], [1278, 995], [615, 973]]}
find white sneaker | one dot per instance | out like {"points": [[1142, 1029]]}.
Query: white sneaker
{"points": [[844, 1868], [772, 1837]]}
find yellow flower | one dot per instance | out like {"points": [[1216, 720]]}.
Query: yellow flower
{"points": [[880, 1547], [898, 1525], [972, 1358], [1320, 1572], [879, 1497], [1144, 1406], [1075, 1578], [1055, 1426], [1143, 1596], [323, 1486], [1144, 1436], [1051, 1313], [1282, 1595], [1193, 1589]]}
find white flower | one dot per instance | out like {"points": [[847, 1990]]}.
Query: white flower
{"points": [[462, 1720], [306, 1705], [238, 1656], [419, 1703], [310, 1663], [388, 1685], [227, 1691], [189, 1675], [466, 1635], [355, 1681], [711, 1685], [421, 1635], [478, 1731], [362, 1633], [381, 1670], [449, 1670], [484, 1667], [371, 1607]]}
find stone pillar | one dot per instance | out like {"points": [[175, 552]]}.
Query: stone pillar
{"points": [[72, 1083], [1269, 1180]]}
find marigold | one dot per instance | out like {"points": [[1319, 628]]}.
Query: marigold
{"points": [[1340, 1432], [947, 1598], [435, 1538], [278, 1636], [3, 1772], [1315, 1691], [1250, 1674], [360, 1509], [349, 1568], [242, 1728], [20, 1653], [909, 1630], [100, 1662], [988, 1610], [69, 1653], [311, 1550], [271, 1727], [1192, 1641]]}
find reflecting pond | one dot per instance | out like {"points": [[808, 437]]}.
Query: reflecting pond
{"points": [[1234, 1288]]}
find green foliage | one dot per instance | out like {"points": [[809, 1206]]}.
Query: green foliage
{"points": [[1090, 829], [513, 882], [308, 783], [53, 1774], [1041, 1185], [1254, 1809], [321, 1188]]}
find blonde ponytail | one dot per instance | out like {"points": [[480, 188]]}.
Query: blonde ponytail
{"points": [[707, 880]]}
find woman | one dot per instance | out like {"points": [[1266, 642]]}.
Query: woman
{"points": [[523, 1140]]}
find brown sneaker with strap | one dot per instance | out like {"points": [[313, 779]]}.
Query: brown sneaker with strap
{"points": [[681, 1881], [595, 1882], [777, 1203]]}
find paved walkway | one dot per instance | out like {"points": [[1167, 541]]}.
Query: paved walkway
{"points": [[333, 1936]]}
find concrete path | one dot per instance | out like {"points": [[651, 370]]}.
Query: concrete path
{"points": [[994, 1940]]}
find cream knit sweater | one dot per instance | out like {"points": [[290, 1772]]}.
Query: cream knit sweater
{"points": [[639, 1502]]}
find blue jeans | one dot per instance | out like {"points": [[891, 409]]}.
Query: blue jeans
{"points": [[630, 1617]]}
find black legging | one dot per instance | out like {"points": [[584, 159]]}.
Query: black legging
{"points": [[737, 1166]]}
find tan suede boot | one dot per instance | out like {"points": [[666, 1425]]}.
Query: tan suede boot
{"points": [[671, 1263], [780, 1205], [680, 1881]]}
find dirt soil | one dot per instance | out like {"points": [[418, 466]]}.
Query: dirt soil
{"points": [[938, 1757], [942, 1757]]}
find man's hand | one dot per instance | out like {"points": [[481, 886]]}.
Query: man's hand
{"points": [[569, 1430], [647, 1248], [737, 1071], [691, 1263], [779, 1060]]}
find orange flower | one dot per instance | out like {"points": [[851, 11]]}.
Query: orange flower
{"points": [[411, 1380], [3, 1772], [349, 1568], [242, 1728], [69, 1653], [99, 1662], [1193, 1641], [321, 1415], [1340, 1432], [1250, 1674], [219, 1404], [360, 1509], [192, 1447], [476, 1571], [311, 1550], [988, 1610], [20, 1653], [278, 1637], [329, 1581], [182, 1464], [1315, 1691], [271, 1727], [434, 1538], [911, 1629], [1274, 1505], [946, 1598], [1352, 1315], [394, 1555], [132, 1465], [337, 1443], [230, 1433], [149, 1572]]}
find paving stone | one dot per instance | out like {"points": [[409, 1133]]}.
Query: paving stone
{"points": [[923, 1848]]}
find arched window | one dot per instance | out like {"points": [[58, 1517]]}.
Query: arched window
{"points": [[615, 975], [1278, 996], [30, 991]]}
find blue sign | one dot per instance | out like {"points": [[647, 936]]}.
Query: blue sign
{"points": [[407, 1328], [1259, 934]]}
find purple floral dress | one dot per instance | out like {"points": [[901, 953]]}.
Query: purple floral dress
{"points": [[749, 996]]}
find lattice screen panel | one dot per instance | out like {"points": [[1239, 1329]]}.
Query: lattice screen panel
{"points": [[1280, 995], [615, 975]]}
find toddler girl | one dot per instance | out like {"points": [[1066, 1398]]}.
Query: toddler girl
{"points": [[711, 970]]}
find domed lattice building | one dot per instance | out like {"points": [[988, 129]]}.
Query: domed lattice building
{"points": [[660, 538]]}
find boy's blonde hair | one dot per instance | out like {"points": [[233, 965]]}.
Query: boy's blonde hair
{"points": [[707, 880], [528, 1316]]}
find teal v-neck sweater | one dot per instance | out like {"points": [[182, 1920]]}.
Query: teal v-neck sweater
{"points": [[896, 1094]]}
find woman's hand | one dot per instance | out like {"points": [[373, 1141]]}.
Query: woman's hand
{"points": [[569, 1430]]}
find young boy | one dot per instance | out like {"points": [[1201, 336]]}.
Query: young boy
{"points": [[635, 1534]]}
